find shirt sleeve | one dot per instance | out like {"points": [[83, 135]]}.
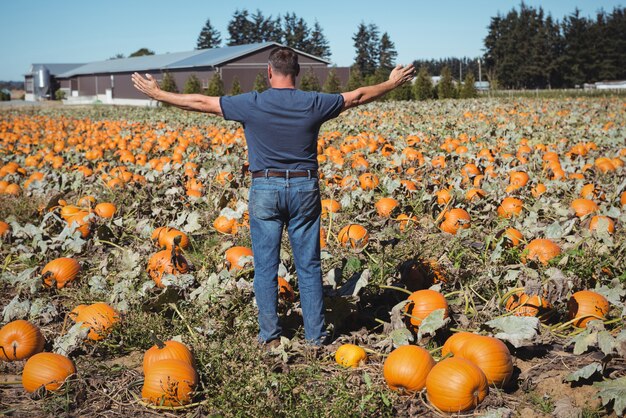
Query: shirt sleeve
{"points": [[329, 105], [237, 107]]}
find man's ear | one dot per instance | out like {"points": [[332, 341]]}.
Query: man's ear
{"points": [[297, 69], [269, 72]]}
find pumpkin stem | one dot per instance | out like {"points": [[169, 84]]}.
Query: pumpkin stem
{"points": [[4, 352], [158, 342]]}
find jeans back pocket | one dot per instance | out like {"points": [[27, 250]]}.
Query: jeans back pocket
{"points": [[263, 204]]}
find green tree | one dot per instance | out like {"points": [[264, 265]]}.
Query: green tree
{"points": [[332, 83], [356, 78], [309, 81], [295, 32], [468, 90], [168, 83], [260, 83], [423, 85], [192, 85], [117, 56], [387, 53], [445, 88], [141, 52], [216, 86], [318, 45], [236, 87], [240, 28], [209, 37], [404, 92], [366, 43]]}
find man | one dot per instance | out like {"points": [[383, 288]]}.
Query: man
{"points": [[281, 126]]}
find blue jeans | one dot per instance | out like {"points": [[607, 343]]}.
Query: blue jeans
{"points": [[294, 203]]}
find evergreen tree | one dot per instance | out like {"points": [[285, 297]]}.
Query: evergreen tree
{"points": [[168, 83], [356, 78], [387, 53], [468, 90], [309, 81], [445, 88], [192, 85], [216, 86], [332, 83], [295, 32], [240, 28], [318, 45], [404, 92], [423, 86], [141, 52], [265, 29], [366, 44], [209, 37], [236, 87], [260, 83]]}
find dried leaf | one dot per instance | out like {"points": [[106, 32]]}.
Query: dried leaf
{"points": [[584, 373], [613, 390], [563, 408], [518, 330], [401, 336], [16, 309], [434, 321], [193, 223], [72, 340], [583, 340], [606, 342]]}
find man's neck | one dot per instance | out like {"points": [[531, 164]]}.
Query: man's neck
{"points": [[282, 83]]}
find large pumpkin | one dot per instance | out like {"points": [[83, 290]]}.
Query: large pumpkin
{"points": [[19, 340], [353, 235], [540, 249], [406, 368], [234, 256], [523, 305], [164, 350], [492, 356], [99, 318], [46, 369], [585, 306], [169, 383], [455, 342], [455, 385], [350, 355], [60, 272]]}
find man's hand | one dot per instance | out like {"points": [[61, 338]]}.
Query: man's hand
{"points": [[401, 75], [148, 85]]}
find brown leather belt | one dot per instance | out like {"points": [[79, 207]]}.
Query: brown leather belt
{"points": [[283, 174]]}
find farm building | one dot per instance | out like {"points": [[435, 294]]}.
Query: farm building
{"points": [[110, 81], [41, 82]]}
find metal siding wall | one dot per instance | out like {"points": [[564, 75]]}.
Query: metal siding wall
{"points": [[87, 85], [246, 77], [104, 83]]}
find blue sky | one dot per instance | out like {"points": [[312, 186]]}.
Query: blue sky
{"points": [[45, 31]]}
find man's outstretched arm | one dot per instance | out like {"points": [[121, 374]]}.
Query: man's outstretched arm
{"points": [[362, 95], [194, 102]]}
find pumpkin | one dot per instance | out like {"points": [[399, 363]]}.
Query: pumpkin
{"points": [[596, 221], [164, 350], [540, 249], [455, 342], [368, 181], [350, 355], [422, 303], [165, 237], [46, 369], [622, 199], [99, 318], [513, 236], [86, 201], [455, 385], [81, 222], [492, 356], [585, 306], [538, 190], [5, 229], [105, 210], [20, 340], [285, 290], [225, 225], [385, 206], [405, 219], [443, 196], [455, 219], [407, 367], [60, 271], [234, 256], [523, 305], [354, 235], [582, 207], [510, 206], [168, 261], [67, 211], [169, 382]]}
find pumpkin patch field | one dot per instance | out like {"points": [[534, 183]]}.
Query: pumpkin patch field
{"points": [[473, 256]]}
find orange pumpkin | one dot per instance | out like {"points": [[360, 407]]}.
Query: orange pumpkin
{"points": [[385, 206], [350, 355], [169, 382], [164, 350], [98, 317], [523, 305], [422, 303], [60, 271], [168, 261], [492, 356], [540, 249], [5, 229], [234, 257], [594, 224], [455, 342], [455, 219], [285, 290], [46, 369], [455, 385], [585, 306], [582, 207], [105, 210], [225, 225], [510, 206], [407, 367], [19, 340], [354, 235]]}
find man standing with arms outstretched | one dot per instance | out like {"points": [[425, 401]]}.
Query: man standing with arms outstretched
{"points": [[281, 126]]}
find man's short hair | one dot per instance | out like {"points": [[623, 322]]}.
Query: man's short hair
{"points": [[284, 60]]}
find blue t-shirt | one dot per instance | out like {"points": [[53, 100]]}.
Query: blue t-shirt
{"points": [[282, 125]]}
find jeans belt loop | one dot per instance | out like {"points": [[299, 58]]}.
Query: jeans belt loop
{"points": [[308, 174], [287, 174], [266, 173]]}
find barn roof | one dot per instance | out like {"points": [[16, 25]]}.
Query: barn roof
{"points": [[54, 69], [197, 58]]}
